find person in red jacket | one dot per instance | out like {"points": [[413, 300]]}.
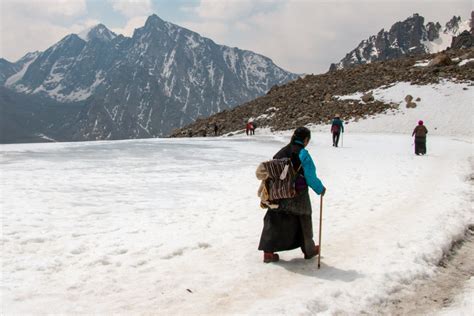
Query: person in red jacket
{"points": [[248, 128], [420, 138]]}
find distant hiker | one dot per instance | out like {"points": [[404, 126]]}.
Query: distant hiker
{"points": [[248, 128], [216, 129], [253, 127], [288, 225], [336, 128], [420, 138]]}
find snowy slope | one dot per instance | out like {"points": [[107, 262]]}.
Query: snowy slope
{"points": [[446, 108], [129, 226]]}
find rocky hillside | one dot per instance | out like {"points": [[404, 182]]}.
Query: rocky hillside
{"points": [[409, 37], [313, 99], [161, 78]]}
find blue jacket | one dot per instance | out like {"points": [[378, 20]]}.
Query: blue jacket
{"points": [[310, 172], [337, 122]]}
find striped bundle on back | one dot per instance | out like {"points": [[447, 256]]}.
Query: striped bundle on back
{"points": [[281, 182]]}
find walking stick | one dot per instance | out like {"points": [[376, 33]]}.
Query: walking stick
{"points": [[342, 140], [320, 228]]}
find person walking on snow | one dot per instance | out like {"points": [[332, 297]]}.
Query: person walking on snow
{"points": [[289, 226], [216, 129], [336, 128], [248, 128], [420, 138]]}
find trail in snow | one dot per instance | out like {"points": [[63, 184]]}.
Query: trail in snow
{"points": [[129, 226]]}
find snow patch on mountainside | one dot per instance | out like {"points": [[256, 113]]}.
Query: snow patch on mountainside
{"points": [[78, 94], [19, 75], [445, 38]]}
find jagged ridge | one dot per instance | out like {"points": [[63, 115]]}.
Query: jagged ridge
{"points": [[410, 37]]}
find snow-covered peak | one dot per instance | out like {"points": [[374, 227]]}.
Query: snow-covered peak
{"points": [[98, 31]]}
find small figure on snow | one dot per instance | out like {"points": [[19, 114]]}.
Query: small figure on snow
{"points": [[420, 138], [253, 127], [337, 127], [216, 129], [290, 226], [249, 129]]}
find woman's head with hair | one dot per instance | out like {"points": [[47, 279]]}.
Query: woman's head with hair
{"points": [[300, 135]]}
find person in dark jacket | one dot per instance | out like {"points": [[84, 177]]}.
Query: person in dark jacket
{"points": [[290, 225], [420, 138], [337, 127]]}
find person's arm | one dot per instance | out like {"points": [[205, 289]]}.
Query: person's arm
{"points": [[342, 126], [414, 132], [310, 172]]}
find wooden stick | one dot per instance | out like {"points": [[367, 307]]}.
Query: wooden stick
{"points": [[320, 228]]}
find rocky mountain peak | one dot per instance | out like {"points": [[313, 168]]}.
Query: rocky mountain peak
{"points": [[154, 22], [453, 25], [408, 37]]}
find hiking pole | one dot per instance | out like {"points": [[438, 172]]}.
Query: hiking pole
{"points": [[320, 228], [342, 140]]}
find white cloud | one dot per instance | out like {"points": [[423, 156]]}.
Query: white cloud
{"points": [[44, 8], [132, 8], [132, 24], [224, 9], [30, 25]]}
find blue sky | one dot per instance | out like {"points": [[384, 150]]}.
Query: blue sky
{"points": [[302, 36]]}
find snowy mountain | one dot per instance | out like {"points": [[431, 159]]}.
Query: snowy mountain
{"points": [[161, 78], [409, 37]]}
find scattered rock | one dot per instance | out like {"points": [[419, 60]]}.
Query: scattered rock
{"points": [[440, 61], [408, 98], [411, 105], [418, 99], [463, 40], [368, 97]]}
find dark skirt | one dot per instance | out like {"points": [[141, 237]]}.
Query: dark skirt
{"points": [[289, 227], [420, 145]]}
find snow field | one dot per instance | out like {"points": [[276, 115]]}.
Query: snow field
{"points": [[131, 226]]}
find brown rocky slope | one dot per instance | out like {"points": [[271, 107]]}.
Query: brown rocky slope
{"points": [[312, 99]]}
